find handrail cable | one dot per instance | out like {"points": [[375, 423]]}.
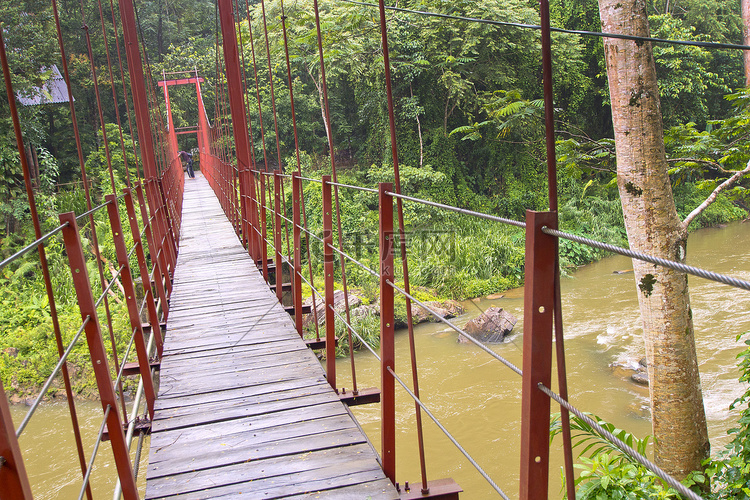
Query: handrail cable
{"points": [[92, 210], [317, 181], [358, 188], [677, 266], [681, 488], [598, 34], [346, 255], [90, 467], [51, 378], [462, 211], [32, 246], [131, 424], [459, 330], [126, 354], [108, 288], [356, 334], [132, 250], [448, 434]]}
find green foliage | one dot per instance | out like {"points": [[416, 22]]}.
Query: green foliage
{"points": [[606, 471], [729, 472], [688, 85]]}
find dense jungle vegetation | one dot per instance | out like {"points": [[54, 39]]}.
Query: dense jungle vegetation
{"points": [[470, 133]]}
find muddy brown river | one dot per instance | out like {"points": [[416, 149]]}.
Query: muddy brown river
{"points": [[476, 397]]}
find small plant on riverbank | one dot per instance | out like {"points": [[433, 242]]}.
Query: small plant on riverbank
{"points": [[729, 472], [607, 472]]}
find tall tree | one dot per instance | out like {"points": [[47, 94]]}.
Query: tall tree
{"points": [[653, 226], [746, 38]]}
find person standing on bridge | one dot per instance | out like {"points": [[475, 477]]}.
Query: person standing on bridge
{"points": [[187, 157]]}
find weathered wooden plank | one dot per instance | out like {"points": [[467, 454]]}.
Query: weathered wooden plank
{"points": [[309, 483], [255, 470], [286, 445], [229, 395], [241, 407]]}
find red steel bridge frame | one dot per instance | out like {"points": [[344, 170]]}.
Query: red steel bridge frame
{"points": [[539, 298], [162, 192]]}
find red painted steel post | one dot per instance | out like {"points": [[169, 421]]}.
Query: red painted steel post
{"points": [[172, 238], [297, 281], [277, 180], [98, 353], [157, 258], [263, 226], [126, 278], [14, 483], [148, 289], [328, 261], [239, 120], [159, 227], [387, 345], [538, 308]]}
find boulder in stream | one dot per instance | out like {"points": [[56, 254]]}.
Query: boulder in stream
{"points": [[491, 326], [339, 305], [447, 309]]}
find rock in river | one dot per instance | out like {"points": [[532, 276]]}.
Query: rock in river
{"points": [[493, 325]]}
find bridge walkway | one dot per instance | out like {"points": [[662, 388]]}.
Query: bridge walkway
{"points": [[243, 408]]}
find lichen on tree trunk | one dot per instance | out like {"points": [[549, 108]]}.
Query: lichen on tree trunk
{"points": [[653, 227]]}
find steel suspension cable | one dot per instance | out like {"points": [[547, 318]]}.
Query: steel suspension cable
{"points": [[114, 93], [125, 92], [249, 168], [299, 163], [677, 266], [108, 156], [42, 258], [462, 211], [81, 164], [331, 151], [262, 139], [275, 118], [402, 239], [447, 433], [597, 34], [549, 122]]}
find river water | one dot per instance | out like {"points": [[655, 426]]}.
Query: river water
{"points": [[476, 397]]}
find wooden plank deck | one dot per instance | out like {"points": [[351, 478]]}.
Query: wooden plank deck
{"points": [[244, 409]]}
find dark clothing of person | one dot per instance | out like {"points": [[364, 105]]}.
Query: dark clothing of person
{"points": [[185, 156]]}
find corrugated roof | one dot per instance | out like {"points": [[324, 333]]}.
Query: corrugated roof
{"points": [[54, 91]]}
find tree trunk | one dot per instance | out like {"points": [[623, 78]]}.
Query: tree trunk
{"points": [[653, 227], [746, 38]]}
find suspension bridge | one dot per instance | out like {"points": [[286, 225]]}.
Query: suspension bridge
{"points": [[241, 405]]}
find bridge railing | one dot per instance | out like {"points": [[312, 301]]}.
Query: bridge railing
{"points": [[151, 239], [541, 304]]}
